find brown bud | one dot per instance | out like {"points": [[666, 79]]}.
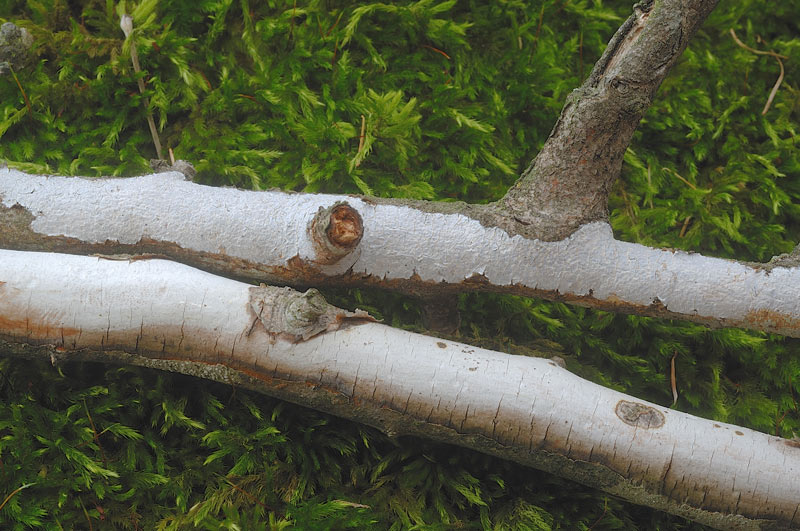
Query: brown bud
{"points": [[335, 231]]}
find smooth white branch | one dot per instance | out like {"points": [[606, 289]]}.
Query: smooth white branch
{"points": [[265, 236], [521, 408]]}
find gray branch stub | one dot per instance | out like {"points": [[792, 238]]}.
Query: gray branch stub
{"points": [[286, 313]]}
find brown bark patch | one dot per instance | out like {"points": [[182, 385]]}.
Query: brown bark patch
{"points": [[347, 227], [35, 329], [770, 320]]}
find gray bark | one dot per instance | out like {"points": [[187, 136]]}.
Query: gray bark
{"points": [[568, 183]]}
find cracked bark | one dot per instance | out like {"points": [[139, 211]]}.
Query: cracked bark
{"points": [[568, 183]]}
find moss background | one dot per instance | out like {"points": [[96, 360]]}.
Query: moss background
{"points": [[456, 98]]}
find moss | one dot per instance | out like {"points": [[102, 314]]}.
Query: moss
{"points": [[456, 98]]}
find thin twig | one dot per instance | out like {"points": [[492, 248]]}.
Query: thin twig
{"points": [[685, 226], [777, 57], [538, 28], [437, 50], [24, 95], [673, 380], [676, 174], [775, 88], [334, 24], [753, 50], [13, 493], [605, 508], [253, 498], [126, 23], [778, 421], [361, 137], [335, 49], [86, 514], [96, 436]]}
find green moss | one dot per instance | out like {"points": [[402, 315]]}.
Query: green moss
{"points": [[456, 99]]}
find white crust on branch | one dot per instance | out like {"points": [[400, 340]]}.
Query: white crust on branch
{"points": [[265, 235], [526, 409]]}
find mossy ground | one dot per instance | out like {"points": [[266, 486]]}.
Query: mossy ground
{"points": [[455, 99]]}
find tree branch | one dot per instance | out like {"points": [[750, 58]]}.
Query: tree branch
{"points": [[420, 248], [568, 183], [166, 315]]}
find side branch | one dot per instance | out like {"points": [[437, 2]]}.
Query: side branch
{"points": [[568, 183], [161, 314], [421, 248]]}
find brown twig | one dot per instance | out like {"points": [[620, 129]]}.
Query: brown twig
{"points": [[96, 436], [86, 514], [361, 137], [777, 57], [605, 509], [538, 28], [252, 498], [334, 24], [126, 24], [13, 493], [753, 50], [685, 226], [437, 50], [22, 90], [775, 88], [778, 421], [676, 174]]}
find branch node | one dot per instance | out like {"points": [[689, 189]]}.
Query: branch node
{"points": [[297, 316], [335, 232]]}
